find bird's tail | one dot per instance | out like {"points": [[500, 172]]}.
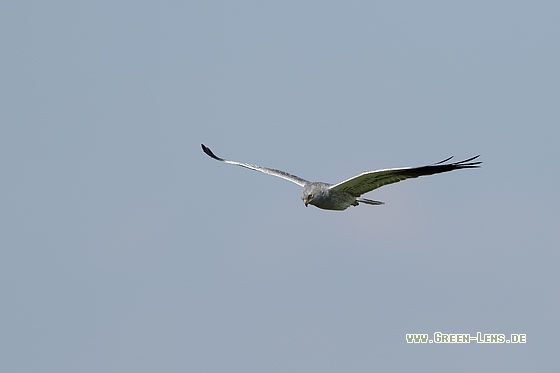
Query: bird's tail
{"points": [[369, 201]]}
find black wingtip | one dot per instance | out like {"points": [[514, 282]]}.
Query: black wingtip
{"points": [[445, 160], [467, 163], [209, 152]]}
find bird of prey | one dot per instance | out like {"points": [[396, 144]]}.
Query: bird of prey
{"points": [[347, 193]]}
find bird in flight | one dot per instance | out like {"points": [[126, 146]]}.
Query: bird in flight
{"points": [[348, 192]]}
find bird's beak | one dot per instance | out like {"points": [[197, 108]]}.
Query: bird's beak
{"points": [[305, 202]]}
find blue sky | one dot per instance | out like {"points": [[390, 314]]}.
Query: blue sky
{"points": [[125, 248]]}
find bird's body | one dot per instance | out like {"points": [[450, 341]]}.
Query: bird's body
{"points": [[323, 196], [347, 193]]}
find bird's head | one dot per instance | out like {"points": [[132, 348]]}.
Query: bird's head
{"points": [[307, 199], [311, 193]]}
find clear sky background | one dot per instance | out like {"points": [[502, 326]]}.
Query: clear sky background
{"points": [[124, 248]]}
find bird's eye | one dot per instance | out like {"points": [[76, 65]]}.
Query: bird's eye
{"points": [[309, 196]]}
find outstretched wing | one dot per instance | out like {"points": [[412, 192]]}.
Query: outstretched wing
{"points": [[370, 180], [270, 171]]}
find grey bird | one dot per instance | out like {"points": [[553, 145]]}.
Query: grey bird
{"points": [[347, 193]]}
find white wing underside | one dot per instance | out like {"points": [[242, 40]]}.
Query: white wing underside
{"points": [[269, 171]]}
